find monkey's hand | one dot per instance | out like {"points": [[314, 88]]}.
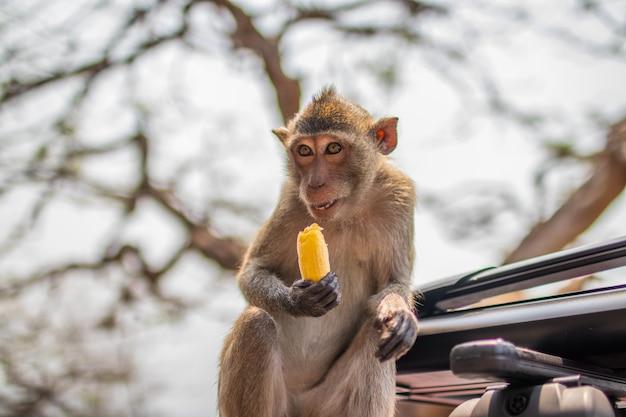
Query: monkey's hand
{"points": [[397, 329], [315, 299]]}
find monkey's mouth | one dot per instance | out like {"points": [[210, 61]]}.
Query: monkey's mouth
{"points": [[324, 206]]}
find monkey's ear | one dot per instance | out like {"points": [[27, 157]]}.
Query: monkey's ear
{"points": [[281, 133], [386, 134]]}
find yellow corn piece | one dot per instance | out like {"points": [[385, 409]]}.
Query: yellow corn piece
{"points": [[313, 253]]}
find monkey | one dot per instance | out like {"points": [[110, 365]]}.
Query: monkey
{"points": [[305, 349]]}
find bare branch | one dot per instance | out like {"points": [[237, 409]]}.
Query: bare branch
{"points": [[226, 251], [107, 260], [247, 36], [585, 205], [15, 88]]}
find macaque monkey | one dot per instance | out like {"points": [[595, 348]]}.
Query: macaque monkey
{"points": [[327, 349]]}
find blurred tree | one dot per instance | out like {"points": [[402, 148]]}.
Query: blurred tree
{"points": [[72, 98]]}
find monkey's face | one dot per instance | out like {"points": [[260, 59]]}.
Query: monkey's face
{"points": [[322, 164], [334, 147]]}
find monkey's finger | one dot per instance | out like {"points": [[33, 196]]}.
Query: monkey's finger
{"points": [[330, 298], [333, 283], [317, 312], [322, 289], [390, 337], [330, 277], [315, 290], [389, 320], [321, 296], [397, 320], [379, 322], [338, 296], [331, 305], [325, 283], [398, 326], [388, 347], [406, 341], [302, 283], [410, 336], [335, 302], [399, 351], [393, 351]]}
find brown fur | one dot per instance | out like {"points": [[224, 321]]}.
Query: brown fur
{"points": [[277, 364]]}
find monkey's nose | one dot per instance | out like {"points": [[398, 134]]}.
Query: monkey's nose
{"points": [[316, 184]]}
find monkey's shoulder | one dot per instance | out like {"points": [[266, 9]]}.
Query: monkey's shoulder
{"points": [[394, 190]]}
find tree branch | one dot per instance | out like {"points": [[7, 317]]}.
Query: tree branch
{"points": [[247, 36], [585, 205], [226, 251], [15, 88]]}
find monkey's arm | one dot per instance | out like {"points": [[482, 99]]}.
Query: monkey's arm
{"points": [[394, 320], [397, 295], [263, 287], [392, 306], [395, 261], [303, 298]]}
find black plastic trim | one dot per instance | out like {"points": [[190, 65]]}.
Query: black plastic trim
{"points": [[466, 289], [590, 327]]}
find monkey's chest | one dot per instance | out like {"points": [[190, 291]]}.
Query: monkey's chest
{"points": [[310, 345]]}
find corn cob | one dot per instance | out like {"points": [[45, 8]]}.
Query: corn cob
{"points": [[313, 253]]}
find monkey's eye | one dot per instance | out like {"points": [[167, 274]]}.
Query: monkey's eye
{"points": [[304, 150], [333, 148]]}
